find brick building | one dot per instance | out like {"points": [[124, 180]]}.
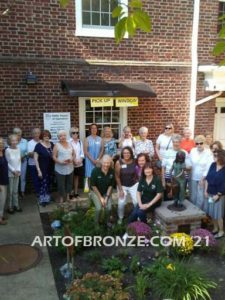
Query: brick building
{"points": [[77, 44]]}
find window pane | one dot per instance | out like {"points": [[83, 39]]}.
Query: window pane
{"points": [[113, 4], [95, 5], [88, 105], [222, 110], [98, 117], [107, 117], [95, 18], [116, 117], [86, 18], [105, 5], [89, 117], [105, 19], [86, 4], [113, 21]]}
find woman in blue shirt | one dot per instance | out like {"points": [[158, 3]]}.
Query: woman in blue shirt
{"points": [[215, 191]]}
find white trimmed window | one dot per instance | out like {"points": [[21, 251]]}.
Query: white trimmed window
{"points": [[94, 17]]}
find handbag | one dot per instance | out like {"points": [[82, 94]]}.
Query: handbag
{"points": [[159, 162]]}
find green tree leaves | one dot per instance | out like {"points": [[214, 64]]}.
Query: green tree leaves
{"points": [[64, 3], [219, 48], [136, 18]]}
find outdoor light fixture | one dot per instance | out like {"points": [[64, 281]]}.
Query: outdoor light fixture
{"points": [[31, 78]]}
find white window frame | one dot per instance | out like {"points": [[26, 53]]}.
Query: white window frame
{"points": [[93, 31], [82, 117]]}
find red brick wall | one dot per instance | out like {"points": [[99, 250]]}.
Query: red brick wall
{"points": [[40, 28], [23, 105]]}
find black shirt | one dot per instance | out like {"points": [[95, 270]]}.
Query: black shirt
{"points": [[149, 191], [4, 179], [102, 181]]}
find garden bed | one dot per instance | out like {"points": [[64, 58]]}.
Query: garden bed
{"points": [[131, 261]]}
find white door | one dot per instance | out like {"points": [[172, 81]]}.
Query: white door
{"points": [[219, 126], [115, 117]]}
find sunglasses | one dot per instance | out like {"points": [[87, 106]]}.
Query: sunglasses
{"points": [[75, 132], [199, 143], [168, 128]]}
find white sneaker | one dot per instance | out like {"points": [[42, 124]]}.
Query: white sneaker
{"points": [[219, 235]]}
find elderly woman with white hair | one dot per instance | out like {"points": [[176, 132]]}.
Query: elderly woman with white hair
{"points": [[22, 144], [144, 145], [102, 182], [200, 160], [63, 155]]}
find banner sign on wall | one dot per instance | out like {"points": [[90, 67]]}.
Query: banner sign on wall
{"points": [[101, 102], [120, 101], [126, 102], [55, 122]]}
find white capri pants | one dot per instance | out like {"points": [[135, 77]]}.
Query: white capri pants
{"points": [[132, 190]]}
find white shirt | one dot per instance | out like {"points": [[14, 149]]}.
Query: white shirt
{"points": [[128, 143], [64, 154], [165, 143], [168, 160], [200, 161], [144, 147], [79, 151], [13, 156], [30, 148]]}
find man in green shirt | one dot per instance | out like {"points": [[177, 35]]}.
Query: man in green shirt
{"points": [[102, 182]]}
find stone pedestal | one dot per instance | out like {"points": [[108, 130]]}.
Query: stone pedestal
{"points": [[179, 221]]}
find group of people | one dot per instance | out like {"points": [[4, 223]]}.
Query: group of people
{"points": [[128, 165]]}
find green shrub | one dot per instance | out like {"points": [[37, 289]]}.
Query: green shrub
{"points": [[178, 280], [141, 286], [113, 264], [135, 265], [93, 286], [94, 256]]}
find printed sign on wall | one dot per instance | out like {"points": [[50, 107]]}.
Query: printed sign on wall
{"points": [[55, 122]]}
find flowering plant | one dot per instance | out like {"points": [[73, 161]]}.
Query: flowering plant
{"points": [[182, 243], [139, 229], [94, 286], [203, 238]]}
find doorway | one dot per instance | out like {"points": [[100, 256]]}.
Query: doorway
{"points": [[219, 125]]}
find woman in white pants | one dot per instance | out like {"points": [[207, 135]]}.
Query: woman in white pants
{"points": [[126, 179], [13, 157], [22, 144]]}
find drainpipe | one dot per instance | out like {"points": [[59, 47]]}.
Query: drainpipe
{"points": [[194, 64]]}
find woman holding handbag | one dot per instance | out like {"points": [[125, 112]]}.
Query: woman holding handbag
{"points": [[164, 143]]}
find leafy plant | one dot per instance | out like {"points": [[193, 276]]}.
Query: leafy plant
{"points": [[123, 253], [113, 264], [178, 280], [141, 286], [139, 229], [207, 240], [135, 265], [94, 286], [94, 256], [182, 244], [57, 214]]}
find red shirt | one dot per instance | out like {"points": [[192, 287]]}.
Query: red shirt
{"points": [[187, 144]]}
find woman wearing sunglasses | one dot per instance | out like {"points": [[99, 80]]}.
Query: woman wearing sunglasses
{"points": [[200, 161], [79, 156], [164, 142]]}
